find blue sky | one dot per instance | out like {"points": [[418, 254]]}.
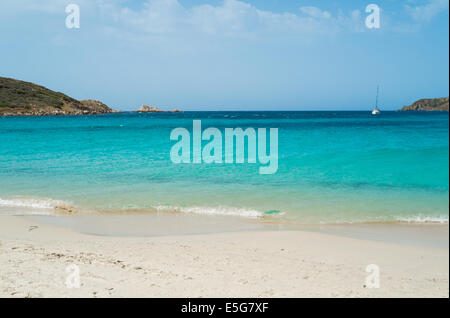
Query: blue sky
{"points": [[230, 55]]}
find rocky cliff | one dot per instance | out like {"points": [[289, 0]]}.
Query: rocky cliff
{"points": [[19, 98], [432, 104]]}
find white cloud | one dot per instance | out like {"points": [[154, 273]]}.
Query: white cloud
{"points": [[427, 12], [230, 18], [315, 12], [235, 18]]}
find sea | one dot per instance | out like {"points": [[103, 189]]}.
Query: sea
{"points": [[333, 167]]}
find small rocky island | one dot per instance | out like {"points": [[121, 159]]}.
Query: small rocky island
{"points": [[154, 109], [19, 98], [431, 104]]}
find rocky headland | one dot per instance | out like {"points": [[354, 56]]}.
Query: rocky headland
{"points": [[430, 104], [19, 98]]}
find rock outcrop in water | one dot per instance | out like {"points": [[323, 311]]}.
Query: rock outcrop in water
{"points": [[432, 104], [149, 109], [153, 109], [19, 98]]}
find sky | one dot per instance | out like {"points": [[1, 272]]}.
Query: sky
{"points": [[230, 54]]}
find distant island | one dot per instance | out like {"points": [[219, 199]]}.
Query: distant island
{"points": [[430, 104], [19, 98], [154, 109]]}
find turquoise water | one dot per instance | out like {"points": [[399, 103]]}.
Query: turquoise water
{"points": [[333, 166]]}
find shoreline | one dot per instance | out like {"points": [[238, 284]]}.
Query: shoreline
{"points": [[261, 263], [160, 224], [157, 221], [46, 207]]}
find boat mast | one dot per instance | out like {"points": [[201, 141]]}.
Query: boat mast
{"points": [[376, 101]]}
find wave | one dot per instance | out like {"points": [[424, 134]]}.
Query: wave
{"points": [[252, 213], [33, 206], [45, 206], [423, 219], [219, 210]]}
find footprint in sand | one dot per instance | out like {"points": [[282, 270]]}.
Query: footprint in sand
{"points": [[32, 227]]}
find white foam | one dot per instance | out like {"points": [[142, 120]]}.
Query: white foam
{"points": [[29, 205], [424, 219], [219, 210]]}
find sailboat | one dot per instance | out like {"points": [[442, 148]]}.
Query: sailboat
{"points": [[376, 111]]}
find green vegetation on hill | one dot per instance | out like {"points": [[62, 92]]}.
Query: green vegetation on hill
{"points": [[24, 98], [431, 104]]}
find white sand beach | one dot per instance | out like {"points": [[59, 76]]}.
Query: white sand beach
{"points": [[261, 263]]}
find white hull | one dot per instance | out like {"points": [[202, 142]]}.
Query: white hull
{"points": [[376, 111]]}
